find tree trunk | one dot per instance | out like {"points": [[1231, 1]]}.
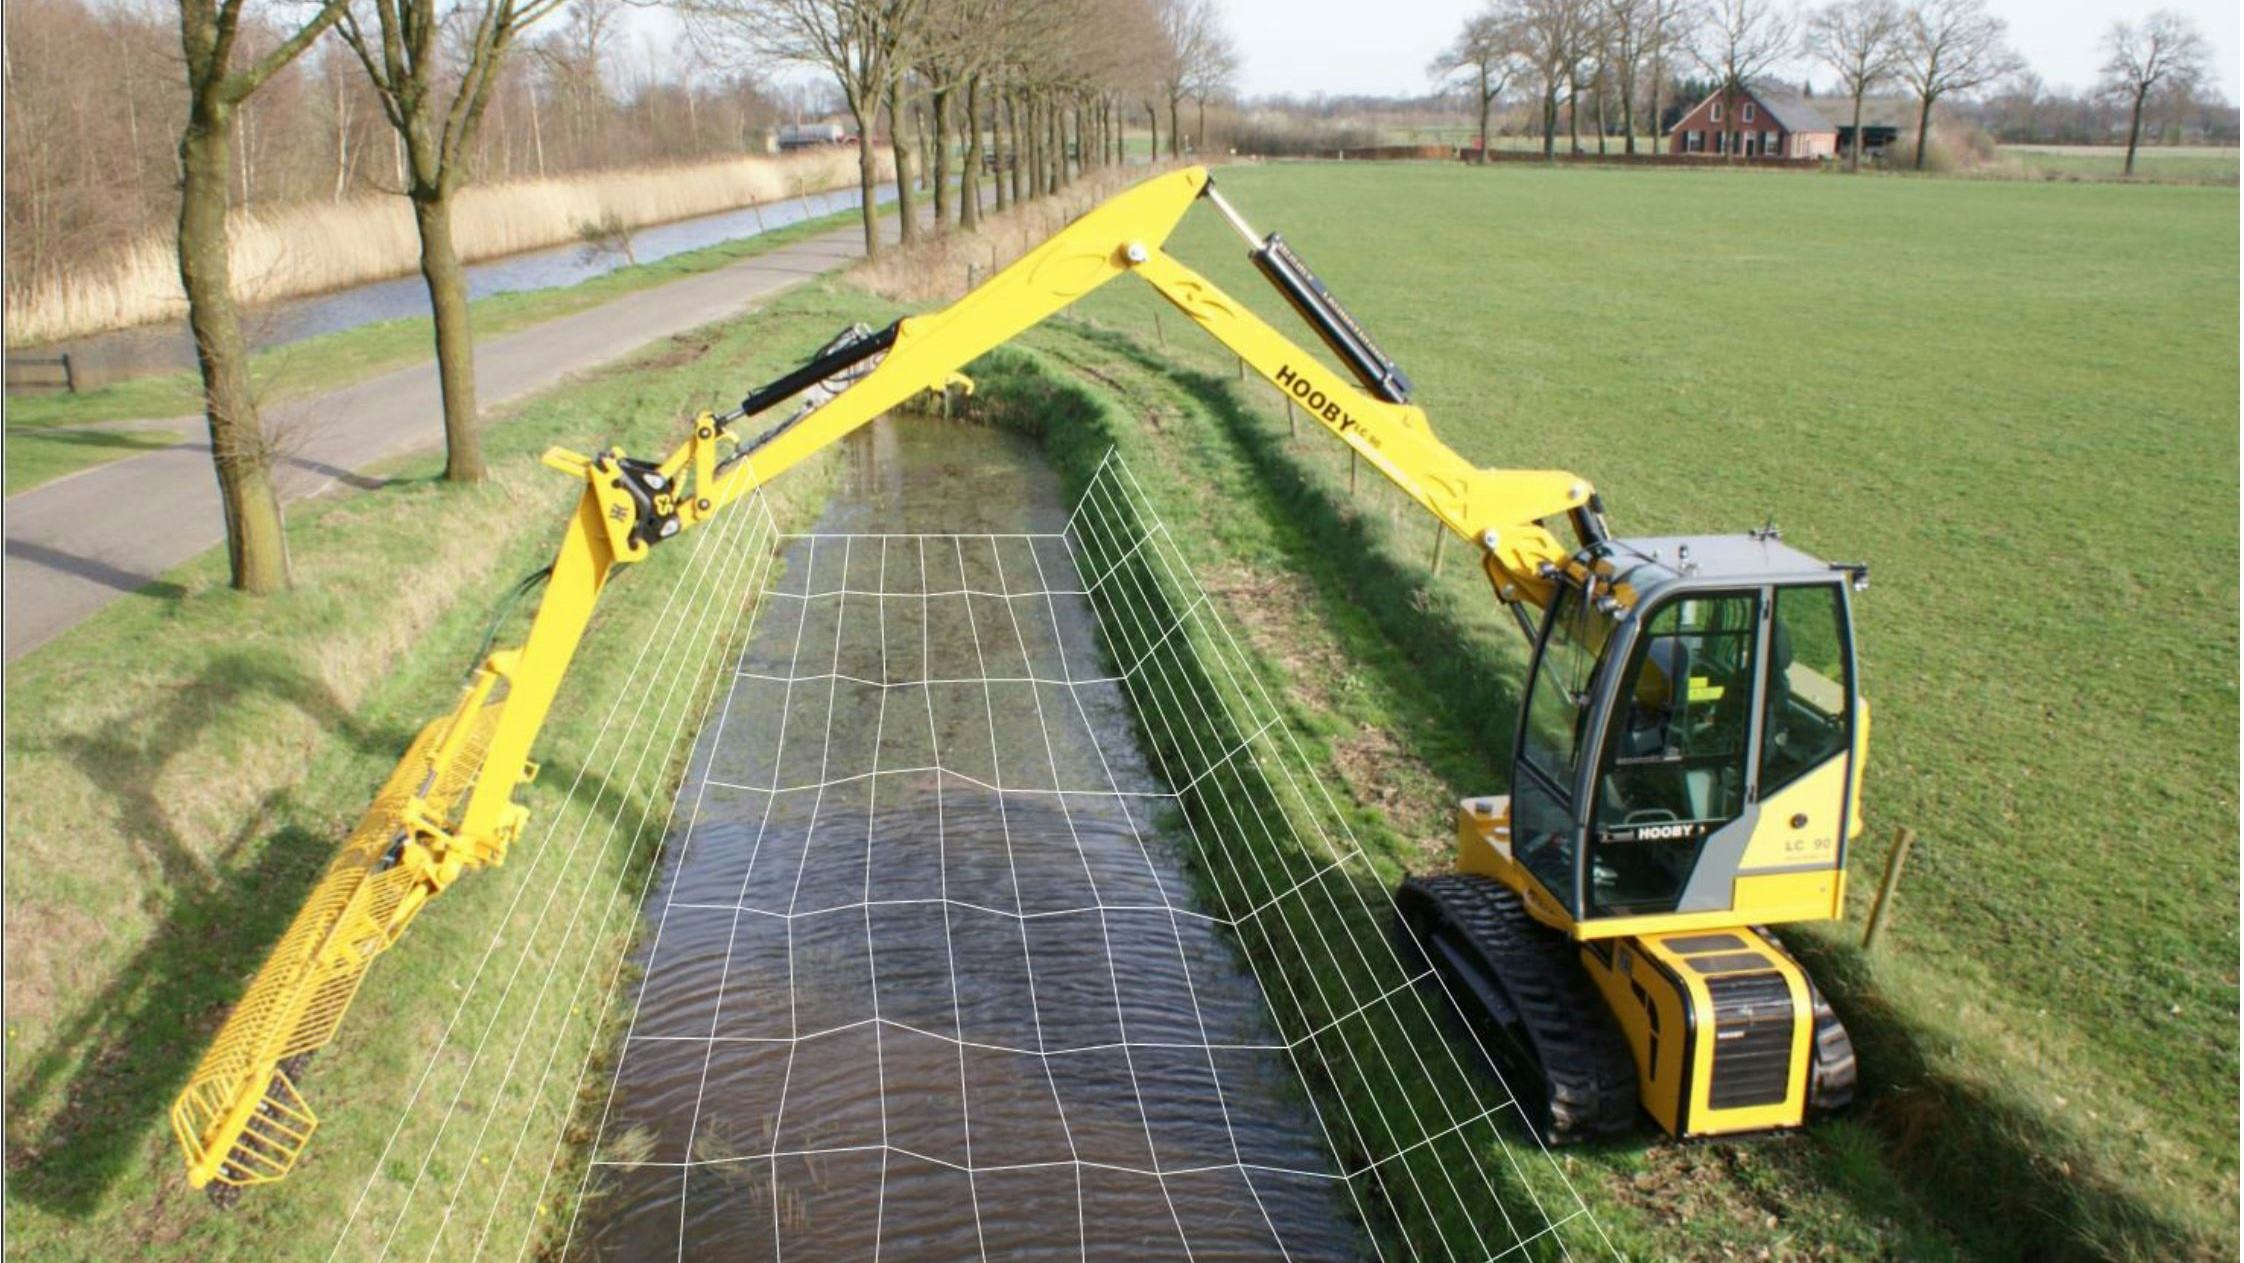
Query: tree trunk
{"points": [[1153, 123], [256, 542], [1602, 127], [1573, 118], [1012, 145], [1200, 125], [1176, 131], [940, 138], [1628, 114], [1032, 147], [1657, 88], [1550, 119], [868, 177], [1487, 102], [1924, 126], [900, 145], [1854, 142], [2134, 130], [1055, 146], [970, 180], [455, 338]]}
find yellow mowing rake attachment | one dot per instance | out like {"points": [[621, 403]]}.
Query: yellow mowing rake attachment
{"points": [[241, 1119]]}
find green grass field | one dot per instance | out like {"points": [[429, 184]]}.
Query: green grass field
{"points": [[2018, 404], [2157, 164]]}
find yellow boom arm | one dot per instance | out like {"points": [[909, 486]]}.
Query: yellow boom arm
{"points": [[449, 806]]}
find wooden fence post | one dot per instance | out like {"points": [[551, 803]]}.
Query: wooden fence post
{"points": [[69, 374], [1293, 423], [1879, 908]]}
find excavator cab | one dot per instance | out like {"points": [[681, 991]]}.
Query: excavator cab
{"points": [[1689, 733], [1687, 772]]}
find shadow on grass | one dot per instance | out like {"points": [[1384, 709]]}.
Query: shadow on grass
{"points": [[116, 1064], [133, 1042], [2030, 1197]]}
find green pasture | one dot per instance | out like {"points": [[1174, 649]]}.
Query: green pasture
{"points": [[2018, 404]]}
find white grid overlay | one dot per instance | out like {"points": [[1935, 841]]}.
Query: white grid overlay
{"points": [[1163, 1003]]}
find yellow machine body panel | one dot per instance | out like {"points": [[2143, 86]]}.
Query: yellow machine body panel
{"points": [[1721, 1023], [1790, 871]]}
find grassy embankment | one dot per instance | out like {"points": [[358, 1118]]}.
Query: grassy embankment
{"points": [[181, 767], [2054, 1023], [52, 435]]}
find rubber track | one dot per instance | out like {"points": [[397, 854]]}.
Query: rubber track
{"points": [[1588, 1076]]}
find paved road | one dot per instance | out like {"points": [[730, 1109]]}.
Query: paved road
{"points": [[76, 544]]}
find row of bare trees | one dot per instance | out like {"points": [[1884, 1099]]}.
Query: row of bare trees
{"points": [[1032, 91], [96, 101], [432, 72], [1618, 53], [1045, 88]]}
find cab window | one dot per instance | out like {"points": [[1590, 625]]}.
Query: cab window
{"points": [[1550, 742], [1676, 751], [1807, 708]]}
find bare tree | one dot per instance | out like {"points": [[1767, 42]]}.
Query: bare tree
{"points": [[1215, 64], [863, 44], [404, 53], [1950, 46], [1739, 41], [1667, 25], [2164, 48], [1625, 27], [1860, 41], [241, 451], [1187, 26], [1484, 57], [1549, 33]]}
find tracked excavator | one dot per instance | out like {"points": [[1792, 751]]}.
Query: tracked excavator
{"points": [[1687, 770]]}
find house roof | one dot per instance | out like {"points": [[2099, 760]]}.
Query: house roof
{"points": [[1889, 111], [1792, 111]]}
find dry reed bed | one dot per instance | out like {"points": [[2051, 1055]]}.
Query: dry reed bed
{"points": [[315, 247]]}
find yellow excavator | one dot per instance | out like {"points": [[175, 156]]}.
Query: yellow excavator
{"points": [[1687, 770]]}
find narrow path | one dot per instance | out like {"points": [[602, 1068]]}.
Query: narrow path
{"points": [[84, 540]]}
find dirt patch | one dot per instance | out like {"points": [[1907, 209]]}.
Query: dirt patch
{"points": [[1379, 769]]}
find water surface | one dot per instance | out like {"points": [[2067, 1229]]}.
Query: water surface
{"points": [[923, 976], [166, 347]]}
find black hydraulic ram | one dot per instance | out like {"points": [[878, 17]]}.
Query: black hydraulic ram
{"points": [[1316, 304]]}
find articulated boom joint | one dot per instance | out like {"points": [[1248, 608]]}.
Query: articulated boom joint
{"points": [[643, 503]]}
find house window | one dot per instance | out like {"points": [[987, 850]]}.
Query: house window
{"points": [[1768, 143], [1717, 111], [1749, 111], [1694, 142]]}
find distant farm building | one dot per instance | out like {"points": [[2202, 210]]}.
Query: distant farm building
{"points": [[1886, 121], [813, 136], [1762, 120]]}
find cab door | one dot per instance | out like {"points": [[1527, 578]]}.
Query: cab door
{"points": [[1678, 762]]}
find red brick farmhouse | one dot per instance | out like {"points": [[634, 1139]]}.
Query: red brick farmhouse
{"points": [[1761, 120]]}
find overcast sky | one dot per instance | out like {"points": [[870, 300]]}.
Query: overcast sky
{"points": [[1344, 46]]}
